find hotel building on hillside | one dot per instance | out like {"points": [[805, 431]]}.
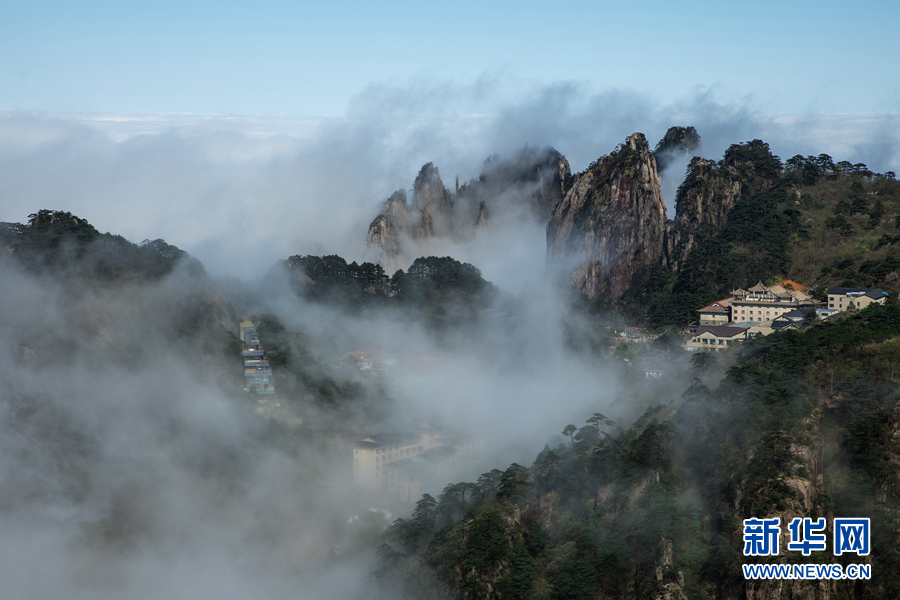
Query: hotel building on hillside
{"points": [[403, 464], [841, 299], [762, 303]]}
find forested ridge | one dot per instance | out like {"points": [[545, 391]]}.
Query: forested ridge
{"points": [[802, 424], [809, 219], [58, 240]]}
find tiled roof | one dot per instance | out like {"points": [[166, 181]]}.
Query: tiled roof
{"points": [[723, 331], [713, 308], [724, 303], [841, 291], [797, 313], [363, 355], [790, 284], [387, 439]]}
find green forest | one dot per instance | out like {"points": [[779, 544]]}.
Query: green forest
{"points": [[809, 219], [801, 423]]}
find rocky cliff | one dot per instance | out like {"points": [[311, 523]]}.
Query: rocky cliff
{"points": [[708, 192], [401, 223], [434, 204], [385, 232], [529, 185], [482, 220], [678, 141], [706, 195], [538, 178], [711, 189], [611, 222]]}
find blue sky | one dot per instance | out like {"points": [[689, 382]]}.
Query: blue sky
{"points": [[310, 59]]}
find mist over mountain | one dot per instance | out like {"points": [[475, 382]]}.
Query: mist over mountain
{"points": [[284, 186], [497, 308], [509, 193]]}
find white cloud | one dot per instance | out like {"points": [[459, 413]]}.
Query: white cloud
{"points": [[240, 193]]}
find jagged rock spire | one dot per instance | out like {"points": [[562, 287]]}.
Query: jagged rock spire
{"points": [[611, 222]]}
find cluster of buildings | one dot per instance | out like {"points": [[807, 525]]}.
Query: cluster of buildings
{"points": [[369, 362], [762, 309], [374, 363], [634, 335], [257, 372], [405, 465]]}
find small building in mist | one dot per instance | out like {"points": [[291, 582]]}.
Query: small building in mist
{"points": [[249, 335], [404, 465], [257, 370], [712, 338], [371, 363]]}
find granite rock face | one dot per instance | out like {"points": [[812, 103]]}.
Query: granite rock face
{"points": [[385, 232], [552, 174], [611, 222], [434, 204], [532, 178], [711, 189], [430, 214], [482, 220], [678, 141], [706, 195], [527, 186]]}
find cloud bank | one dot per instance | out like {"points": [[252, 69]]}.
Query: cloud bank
{"points": [[241, 192]]}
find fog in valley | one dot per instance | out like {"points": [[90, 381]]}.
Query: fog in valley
{"points": [[134, 465]]}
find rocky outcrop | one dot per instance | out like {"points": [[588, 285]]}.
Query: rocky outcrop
{"points": [[540, 176], [706, 195], [385, 232], [711, 189], [384, 236], [433, 202], [482, 220], [554, 174], [678, 141], [430, 215], [669, 579], [395, 208], [533, 180], [611, 222]]}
